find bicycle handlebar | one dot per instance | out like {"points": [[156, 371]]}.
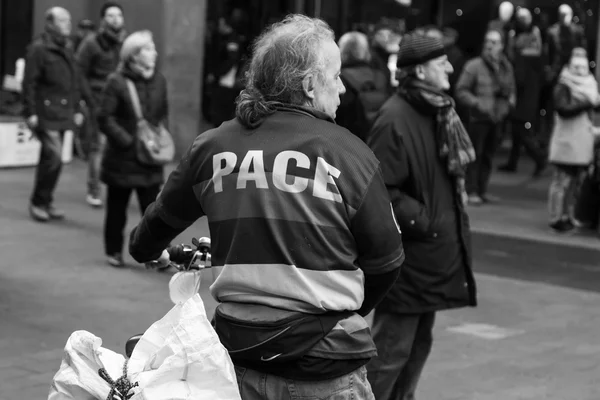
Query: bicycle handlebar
{"points": [[185, 256], [180, 254]]}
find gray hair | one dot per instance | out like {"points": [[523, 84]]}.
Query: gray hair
{"points": [[282, 57], [354, 46]]}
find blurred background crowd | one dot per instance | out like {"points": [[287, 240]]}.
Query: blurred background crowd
{"points": [[202, 48]]}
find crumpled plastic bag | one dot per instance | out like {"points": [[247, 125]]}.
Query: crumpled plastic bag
{"points": [[184, 285], [179, 357], [78, 376]]}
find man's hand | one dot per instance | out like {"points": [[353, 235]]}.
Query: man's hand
{"points": [[162, 262], [33, 122], [78, 118]]}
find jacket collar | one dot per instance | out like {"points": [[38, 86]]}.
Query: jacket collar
{"points": [[51, 44], [309, 111]]}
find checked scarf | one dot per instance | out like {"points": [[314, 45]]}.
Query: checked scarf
{"points": [[454, 145]]}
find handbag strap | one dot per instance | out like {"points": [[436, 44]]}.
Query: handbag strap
{"points": [[135, 100]]}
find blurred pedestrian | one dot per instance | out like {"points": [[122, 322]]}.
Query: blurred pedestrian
{"points": [[504, 23], [424, 151], [572, 142], [121, 171], [563, 37], [52, 92], [366, 87], [525, 52], [228, 67], [487, 88], [384, 43], [85, 27], [98, 57]]}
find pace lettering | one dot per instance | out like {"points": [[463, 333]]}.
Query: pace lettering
{"points": [[252, 168], [220, 170], [280, 174], [253, 158]]}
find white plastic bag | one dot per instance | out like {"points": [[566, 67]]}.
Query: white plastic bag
{"points": [[184, 285], [78, 376], [181, 357]]}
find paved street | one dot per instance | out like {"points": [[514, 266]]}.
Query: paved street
{"points": [[533, 336]]}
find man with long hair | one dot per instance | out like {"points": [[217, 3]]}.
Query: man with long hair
{"points": [[302, 229]]}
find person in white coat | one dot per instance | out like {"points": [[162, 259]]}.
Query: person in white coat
{"points": [[572, 144]]}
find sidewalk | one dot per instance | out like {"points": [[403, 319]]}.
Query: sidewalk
{"points": [[522, 210]]}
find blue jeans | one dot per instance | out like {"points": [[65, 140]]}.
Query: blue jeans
{"points": [[260, 386], [403, 344], [95, 165], [48, 169]]}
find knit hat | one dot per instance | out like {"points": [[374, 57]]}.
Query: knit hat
{"points": [[134, 43], [107, 5], [417, 49]]}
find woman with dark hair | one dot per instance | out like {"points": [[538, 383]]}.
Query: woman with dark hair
{"points": [[121, 170]]}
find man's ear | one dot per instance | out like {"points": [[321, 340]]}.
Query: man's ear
{"points": [[308, 86]]}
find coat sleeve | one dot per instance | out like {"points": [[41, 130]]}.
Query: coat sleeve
{"points": [[84, 58], [389, 148], [566, 105], [175, 209], [34, 63], [165, 102], [107, 122], [465, 85]]}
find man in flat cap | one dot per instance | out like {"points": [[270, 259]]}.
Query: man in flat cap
{"points": [[424, 150]]}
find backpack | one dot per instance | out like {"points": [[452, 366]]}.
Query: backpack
{"points": [[370, 87]]}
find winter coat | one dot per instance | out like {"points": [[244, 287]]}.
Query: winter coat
{"points": [[525, 50], [51, 85], [351, 113], [118, 122], [478, 90], [437, 273], [97, 57], [572, 141]]}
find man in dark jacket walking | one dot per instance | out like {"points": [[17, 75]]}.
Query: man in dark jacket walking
{"points": [[487, 88], [52, 91], [424, 150], [98, 57]]}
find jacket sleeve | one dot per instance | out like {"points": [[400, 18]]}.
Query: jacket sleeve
{"points": [[388, 146], [165, 100], [84, 57], [465, 85], [175, 209], [34, 63], [379, 243], [111, 99], [566, 105]]}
